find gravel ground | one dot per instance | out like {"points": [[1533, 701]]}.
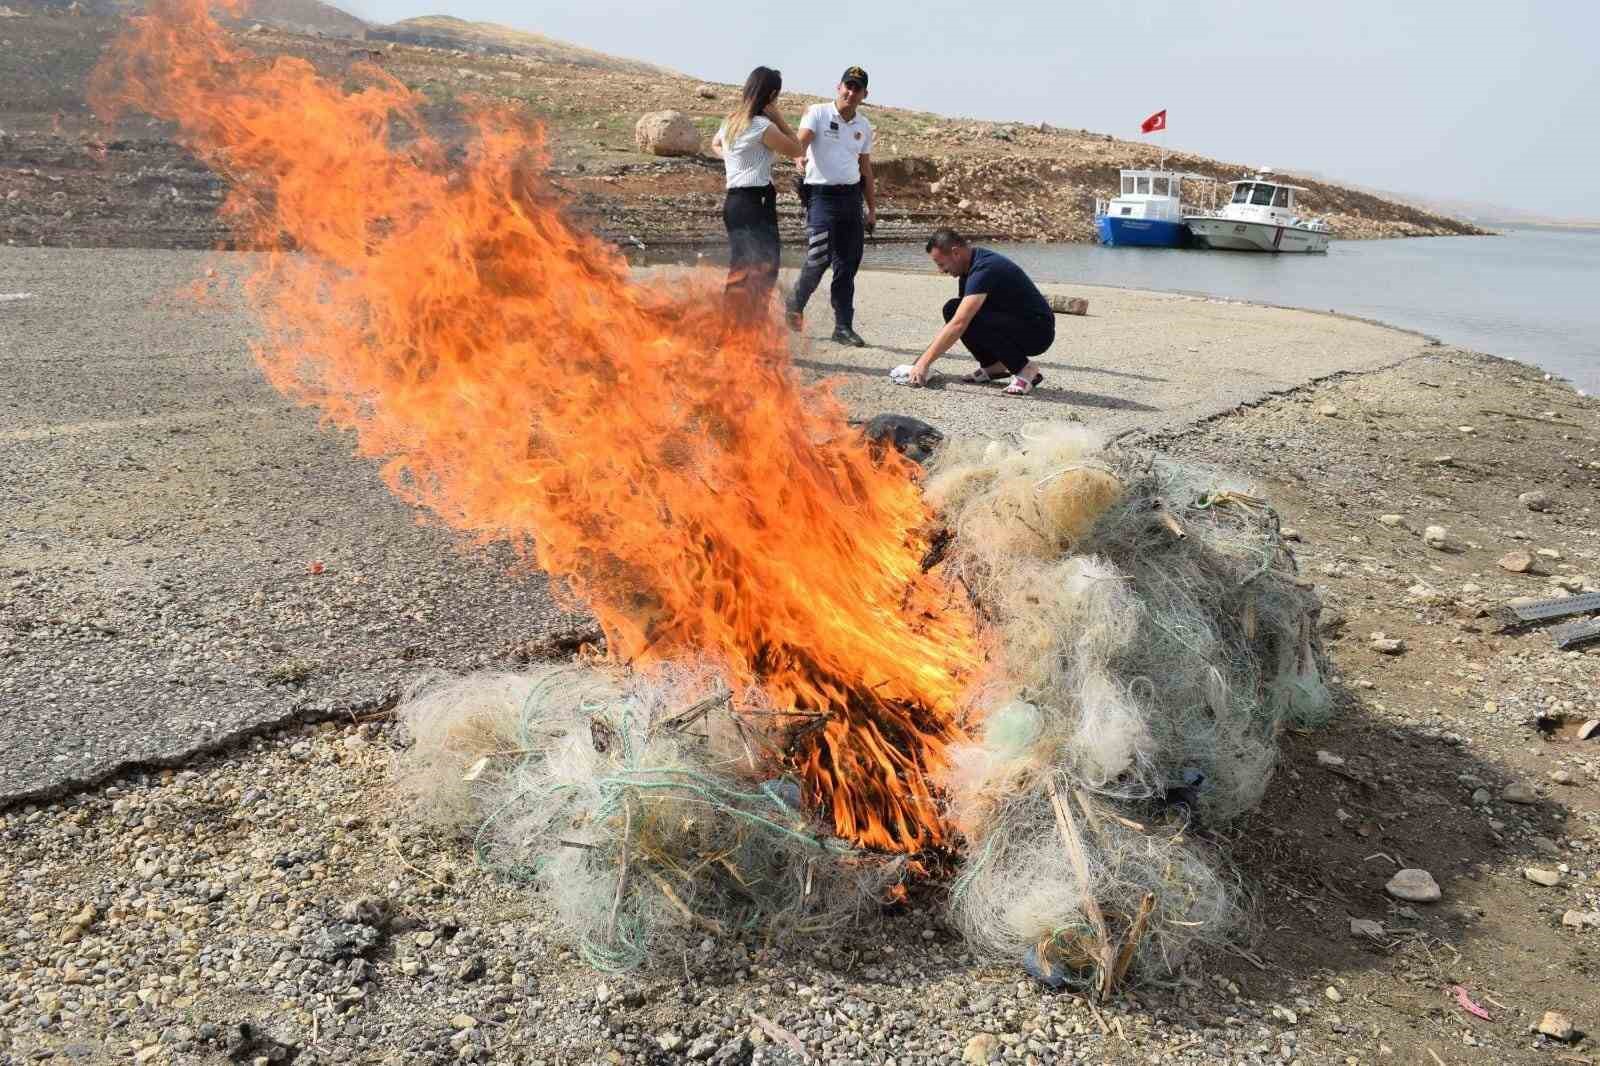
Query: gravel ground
{"points": [[272, 900], [189, 557], [164, 512]]}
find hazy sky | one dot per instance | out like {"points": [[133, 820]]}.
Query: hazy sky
{"points": [[1466, 99]]}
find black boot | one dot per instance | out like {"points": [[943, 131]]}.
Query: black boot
{"points": [[846, 335]]}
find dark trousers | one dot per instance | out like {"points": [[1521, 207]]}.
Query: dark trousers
{"points": [[997, 337], [835, 237], [751, 215]]}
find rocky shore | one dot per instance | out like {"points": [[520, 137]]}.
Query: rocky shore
{"points": [[66, 179]]}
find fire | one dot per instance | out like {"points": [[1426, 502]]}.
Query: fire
{"points": [[664, 462]]}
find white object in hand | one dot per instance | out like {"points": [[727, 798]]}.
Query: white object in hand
{"points": [[901, 375]]}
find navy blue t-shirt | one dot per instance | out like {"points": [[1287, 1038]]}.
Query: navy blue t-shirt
{"points": [[1009, 290]]}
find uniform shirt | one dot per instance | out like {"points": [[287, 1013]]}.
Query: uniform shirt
{"points": [[834, 157], [747, 161], [1008, 290]]}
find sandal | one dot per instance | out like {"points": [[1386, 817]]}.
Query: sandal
{"points": [[1019, 387], [980, 376]]}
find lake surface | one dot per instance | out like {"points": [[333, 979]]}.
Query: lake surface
{"points": [[1528, 294]]}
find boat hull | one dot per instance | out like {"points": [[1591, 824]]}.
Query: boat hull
{"points": [[1232, 235], [1141, 232]]}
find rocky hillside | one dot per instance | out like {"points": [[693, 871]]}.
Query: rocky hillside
{"points": [[66, 180]]}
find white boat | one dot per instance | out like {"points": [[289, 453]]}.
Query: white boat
{"points": [[1259, 217]]}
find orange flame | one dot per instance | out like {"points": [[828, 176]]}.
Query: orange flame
{"points": [[661, 460]]}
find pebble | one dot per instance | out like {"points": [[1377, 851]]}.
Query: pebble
{"points": [[1556, 1026], [1551, 554], [1366, 927], [1561, 777], [1328, 410], [1392, 520], [1328, 758], [1414, 886], [1436, 537], [1581, 919], [464, 1021], [981, 1049], [1517, 562], [1547, 878], [1535, 501], [1333, 994], [669, 1042], [1387, 645], [1517, 792]]}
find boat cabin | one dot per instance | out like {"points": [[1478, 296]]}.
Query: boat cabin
{"points": [[1260, 199], [1148, 194]]}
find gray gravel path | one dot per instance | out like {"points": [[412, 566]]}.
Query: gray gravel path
{"points": [[160, 511], [161, 507]]}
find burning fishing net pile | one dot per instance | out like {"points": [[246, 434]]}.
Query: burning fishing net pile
{"points": [[1150, 640], [840, 671]]}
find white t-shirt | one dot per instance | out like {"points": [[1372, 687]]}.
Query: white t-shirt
{"points": [[747, 161], [834, 157]]}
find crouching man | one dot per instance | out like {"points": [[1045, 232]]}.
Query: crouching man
{"points": [[1000, 315]]}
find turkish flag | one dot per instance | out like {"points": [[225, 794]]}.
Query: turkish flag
{"points": [[1157, 121]]}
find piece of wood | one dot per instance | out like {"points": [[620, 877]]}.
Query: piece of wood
{"points": [[1068, 305], [1091, 906]]}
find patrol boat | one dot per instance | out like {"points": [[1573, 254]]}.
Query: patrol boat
{"points": [[1149, 213], [1260, 216]]}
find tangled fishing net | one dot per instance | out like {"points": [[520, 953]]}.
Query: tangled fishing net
{"points": [[1149, 642]]}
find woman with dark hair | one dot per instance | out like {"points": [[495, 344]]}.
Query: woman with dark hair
{"points": [[750, 138]]}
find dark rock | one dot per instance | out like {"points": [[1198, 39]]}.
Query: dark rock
{"points": [[340, 940], [911, 437]]}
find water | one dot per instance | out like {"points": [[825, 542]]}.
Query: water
{"points": [[1529, 294]]}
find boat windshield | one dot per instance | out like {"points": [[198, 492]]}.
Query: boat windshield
{"points": [[1241, 194], [1280, 197], [1144, 184], [1262, 196], [1127, 184]]}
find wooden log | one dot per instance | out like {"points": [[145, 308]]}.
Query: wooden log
{"points": [[1068, 305]]}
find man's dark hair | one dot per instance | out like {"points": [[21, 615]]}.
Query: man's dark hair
{"points": [[944, 238]]}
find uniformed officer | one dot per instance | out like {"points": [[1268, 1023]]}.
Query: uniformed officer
{"points": [[837, 140]]}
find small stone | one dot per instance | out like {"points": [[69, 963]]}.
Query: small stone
{"points": [[1517, 562], [1551, 554], [980, 1049], [1561, 777], [1333, 994], [1547, 878], [1289, 533], [1581, 919], [1436, 537], [1466, 429], [410, 967], [1556, 1026], [1328, 410], [1414, 886], [703, 1048], [1443, 460], [1393, 521], [1517, 792], [1535, 501], [669, 1042], [426, 939], [464, 1022], [1480, 796], [1589, 729], [1328, 758], [1386, 645], [1366, 927], [706, 92]]}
